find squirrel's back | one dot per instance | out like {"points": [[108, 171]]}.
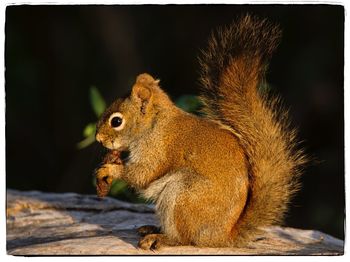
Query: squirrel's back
{"points": [[233, 69]]}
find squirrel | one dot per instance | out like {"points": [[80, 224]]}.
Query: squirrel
{"points": [[219, 178]]}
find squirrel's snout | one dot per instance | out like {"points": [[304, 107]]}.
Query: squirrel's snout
{"points": [[98, 138]]}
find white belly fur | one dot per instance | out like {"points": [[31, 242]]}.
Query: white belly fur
{"points": [[164, 192]]}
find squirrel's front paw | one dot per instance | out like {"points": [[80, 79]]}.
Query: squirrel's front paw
{"points": [[104, 178]]}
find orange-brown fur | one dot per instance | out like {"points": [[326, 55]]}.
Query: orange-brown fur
{"points": [[215, 179]]}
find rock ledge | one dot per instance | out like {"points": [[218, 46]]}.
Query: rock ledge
{"points": [[72, 224]]}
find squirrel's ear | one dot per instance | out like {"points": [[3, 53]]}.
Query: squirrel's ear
{"points": [[142, 90]]}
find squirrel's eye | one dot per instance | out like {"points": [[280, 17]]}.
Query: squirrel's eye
{"points": [[116, 121]]}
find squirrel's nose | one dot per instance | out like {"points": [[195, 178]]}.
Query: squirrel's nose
{"points": [[99, 138]]}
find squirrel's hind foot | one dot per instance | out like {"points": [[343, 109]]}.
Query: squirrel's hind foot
{"points": [[155, 241], [147, 229]]}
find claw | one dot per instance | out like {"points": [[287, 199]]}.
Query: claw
{"points": [[150, 242], [154, 246]]}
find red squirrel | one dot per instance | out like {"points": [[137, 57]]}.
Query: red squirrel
{"points": [[216, 179]]}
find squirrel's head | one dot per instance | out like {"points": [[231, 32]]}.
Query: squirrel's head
{"points": [[127, 120]]}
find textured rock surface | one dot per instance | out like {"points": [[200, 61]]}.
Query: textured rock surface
{"points": [[71, 224]]}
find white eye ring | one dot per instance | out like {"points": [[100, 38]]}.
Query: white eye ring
{"points": [[116, 121]]}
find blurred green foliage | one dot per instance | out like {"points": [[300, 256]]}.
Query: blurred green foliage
{"points": [[119, 188], [189, 103], [97, 102], [98, 105]]}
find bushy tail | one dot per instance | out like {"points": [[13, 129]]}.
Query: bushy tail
{"points": [[233, 68]]}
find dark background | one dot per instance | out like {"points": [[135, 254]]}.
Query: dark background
{"points": [[55, 53]]}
